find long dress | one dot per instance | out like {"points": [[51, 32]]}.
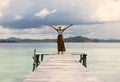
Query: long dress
{"points": [[60, 41]]}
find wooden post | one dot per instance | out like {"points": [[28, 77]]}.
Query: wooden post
{"points": [[36, 60], [42, 57], [85, 60], [34, 63], [81, 58]]}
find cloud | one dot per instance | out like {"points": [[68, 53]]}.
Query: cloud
{"points": [[17, 17], [100, 31], [29, 18], [104, 31], [108, 11], [45, 12], [4, 3], [32, 33], [1, 15], [72, 11], [5, 30], [42, 12]]}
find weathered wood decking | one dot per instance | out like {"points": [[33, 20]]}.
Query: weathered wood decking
{"points": [[61, 68]]}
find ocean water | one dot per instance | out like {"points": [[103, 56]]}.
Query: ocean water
{"points": [[103, 59]]}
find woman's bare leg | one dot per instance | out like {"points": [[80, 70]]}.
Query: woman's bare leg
{"points": [[58, 52], [61, 52]]}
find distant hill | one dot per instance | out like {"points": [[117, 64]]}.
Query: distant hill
{"points": [[13, 39], [80, 39], [70, 39]]}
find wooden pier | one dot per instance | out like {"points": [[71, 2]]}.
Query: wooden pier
{"points": [[61, 68]]}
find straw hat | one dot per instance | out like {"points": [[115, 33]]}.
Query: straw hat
{"points": [[59, 27]]}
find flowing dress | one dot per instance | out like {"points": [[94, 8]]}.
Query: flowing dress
{"points": [[60, 41]]}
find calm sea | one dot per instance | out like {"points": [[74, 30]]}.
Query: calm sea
{"points": [[16, 59]]}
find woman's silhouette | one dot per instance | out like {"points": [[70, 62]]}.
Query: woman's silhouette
{"points": [[60, 38]]}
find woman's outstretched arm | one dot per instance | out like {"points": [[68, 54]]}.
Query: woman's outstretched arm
{"points": [[67, 27], [52, 26]]}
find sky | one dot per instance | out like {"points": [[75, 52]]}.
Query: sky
{"points": [[30, 18]]}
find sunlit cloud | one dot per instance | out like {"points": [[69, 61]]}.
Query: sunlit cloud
{"points": [[72, 4], [108, 11], [4, 3], [45, 12], [17, 17], [1, 15]]}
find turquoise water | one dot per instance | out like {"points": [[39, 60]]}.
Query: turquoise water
{"points": [[16, 59]]}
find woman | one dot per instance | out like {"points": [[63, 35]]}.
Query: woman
{"points": [[60, 39]]}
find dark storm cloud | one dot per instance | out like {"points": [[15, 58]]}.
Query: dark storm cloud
{"points": [[34, 22], [67, 12]]}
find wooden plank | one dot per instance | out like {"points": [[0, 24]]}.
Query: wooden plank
{"points": [[61, 68]]}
